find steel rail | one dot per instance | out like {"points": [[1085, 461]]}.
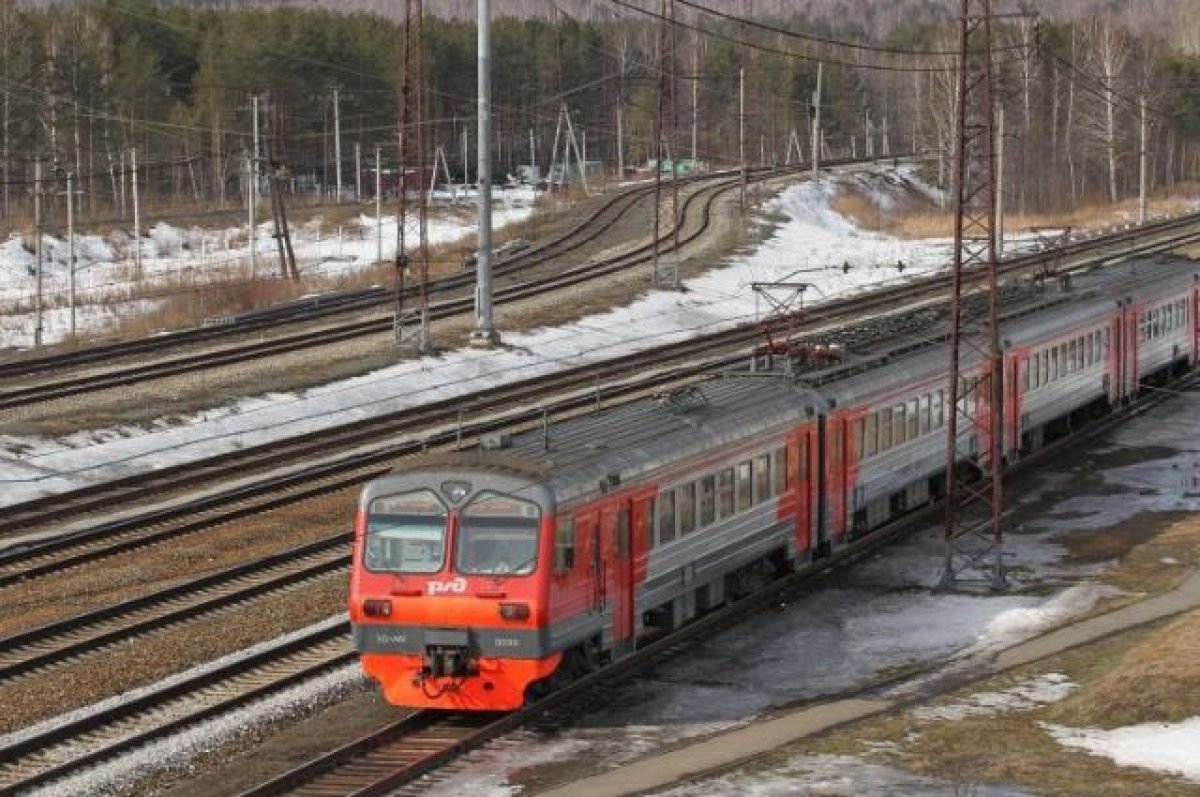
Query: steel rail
{"points": [[383, 761], [328, 474], [159, 713], [595, 224], [65, 641]]}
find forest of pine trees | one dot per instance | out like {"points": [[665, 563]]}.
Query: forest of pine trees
{"points": [[85, 83]]}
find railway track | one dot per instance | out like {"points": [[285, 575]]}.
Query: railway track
{"points": [[699, 203], [70, 640], [385, 760], [596, 224], [377, 442], [395, 756], [56, 750]]}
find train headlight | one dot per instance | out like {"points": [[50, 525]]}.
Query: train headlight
{"points": [[374, 607], [514, 611]]}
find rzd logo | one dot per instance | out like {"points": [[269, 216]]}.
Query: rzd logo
{"points": [[457, 586]]}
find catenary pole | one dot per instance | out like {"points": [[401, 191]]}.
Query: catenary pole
{"points": [[137, 214], [378, 205], [37, 251], [485, 330], [816, 126], [71, 245], [1142, 164], [337, 142]]}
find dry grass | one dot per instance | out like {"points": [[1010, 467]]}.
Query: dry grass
{"points": [[1120, 683], [917, 220], [1143, 675]]}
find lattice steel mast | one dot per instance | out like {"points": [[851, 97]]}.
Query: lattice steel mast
{"points": [[411, 326], [974, 496]]}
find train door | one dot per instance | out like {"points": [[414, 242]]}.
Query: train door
{"points": [[589, 537], [799, 468], [1130, 353], [619, 577]]}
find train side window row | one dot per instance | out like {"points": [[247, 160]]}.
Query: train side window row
{"points": [[1055, 362], [1164, 319], [885, 429], [689, 507]]}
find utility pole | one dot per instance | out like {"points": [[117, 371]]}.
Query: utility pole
{"points": [[466, 159], [252, 166], [357, 171], [816, 126], [695, 99], [975, 386], [620, 142], [532, 152], [485, 330], [251, 213], [1000, 181], [137, 216], [37, 252], [378, 204], [71, 245], [676, 221], [658, 139], [337, 141], [742, 132], [1142, 164]]}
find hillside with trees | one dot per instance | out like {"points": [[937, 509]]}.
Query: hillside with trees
{"points": [[86, 83]]}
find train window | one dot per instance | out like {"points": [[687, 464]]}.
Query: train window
{"points": [[685, 504], [498, 534], [914, 420], [797, 467], [1054, 364], [762, 478], [939, 409], [780, 472], [745, 486], [1028, 374], [926, 414], [860, 439], [666, 517], [647, 508], [406, 533], [1107, 340], [1089, 345], [1072, 357], [725, 493], [885, 429], [564, 545], [708, 500], [898, 425], [870, 426]]}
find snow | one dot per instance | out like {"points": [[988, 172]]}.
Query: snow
{"points": [[175, 751], [1024, 696], [813, 240], [62, 720], [175, 257], [834, 776], [1161, 746]]}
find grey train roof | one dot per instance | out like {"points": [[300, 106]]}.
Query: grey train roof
{"points": [[643, 436]]}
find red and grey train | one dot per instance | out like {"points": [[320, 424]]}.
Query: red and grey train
{"points": [[479, 576]]}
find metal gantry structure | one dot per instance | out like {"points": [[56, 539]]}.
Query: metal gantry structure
{"points": [[974, 538], [411, 323]]}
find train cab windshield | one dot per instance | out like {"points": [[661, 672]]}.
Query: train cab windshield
{"points": [[497, 535], [406, 533]]}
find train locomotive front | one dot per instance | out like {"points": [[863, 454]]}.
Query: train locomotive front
{"points": [[448, 593]]}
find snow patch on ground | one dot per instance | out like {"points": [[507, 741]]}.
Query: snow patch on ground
{"points": [[1027, 695], [112, 776], [107, 276], [720, 299], [62, 720], [1161, 746], [834, 776]]}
